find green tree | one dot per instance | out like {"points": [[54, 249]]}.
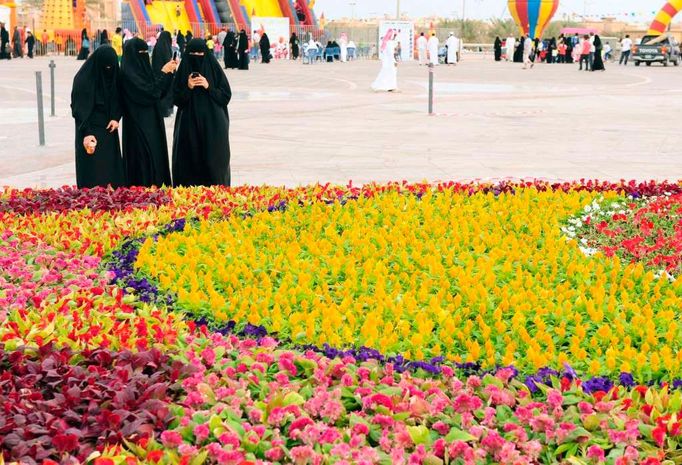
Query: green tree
{"points": [[503, 28]]}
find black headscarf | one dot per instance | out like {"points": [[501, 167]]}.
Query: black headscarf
{"points": [[104, 38], [229, 39], [206, 65], [498, 42], [243, 44], [163, 51], [189, 36], [96, 83], [137, 78], [84, 34], [597, 42]]}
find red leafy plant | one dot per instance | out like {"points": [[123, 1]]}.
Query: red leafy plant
{"points": [[59, 405], [31, 201]]}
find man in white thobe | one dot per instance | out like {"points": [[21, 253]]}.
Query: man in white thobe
{"points": [[422, 44], [453, 47], [509, 48], [433, 46]]}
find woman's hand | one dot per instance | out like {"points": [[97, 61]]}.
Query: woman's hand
{"points": [[170, 67], [90, 144], [201, 82], [112, 126]]}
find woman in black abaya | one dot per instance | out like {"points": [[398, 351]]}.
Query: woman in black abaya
{"points": [[243, 50], [498, 49], [201, 146], [518, 53], [96, 108], [162, 54], [265, 48], [145, 150], [229, 46], [598, 64], [85, 46], [180, 39], [294, 44]]}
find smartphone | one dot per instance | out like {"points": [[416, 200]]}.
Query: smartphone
{"points": [[194, 75], [175, 56]]}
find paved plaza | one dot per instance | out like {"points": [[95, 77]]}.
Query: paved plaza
{"points": [[295, 124]]}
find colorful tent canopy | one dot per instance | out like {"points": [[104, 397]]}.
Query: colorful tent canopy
{"points": [[532, 16]]}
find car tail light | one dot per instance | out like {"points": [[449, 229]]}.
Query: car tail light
{"points": [[664, 50], [635, 49]]}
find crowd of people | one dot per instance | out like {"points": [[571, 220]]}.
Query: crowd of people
{"points": [[587, 50], [139, 92]]}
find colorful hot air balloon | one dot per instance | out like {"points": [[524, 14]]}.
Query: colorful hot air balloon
{"points": [[663, 18], [532, 16]]}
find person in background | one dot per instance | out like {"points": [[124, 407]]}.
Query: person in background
{"points": [[181, 42], [255, 45], [527, 52], [592, 49], [104, 38], [145, 149], [452, 46], [422, 44], [210, 44], [18, 49], [598, 63], [230, 50], [563, 50], [243, 50], [509, 47], [85, 46], [265, 48], [117, 43], [294, 46], [44, 39], [607, 51], [188, 37], [96, 109], [30, 43], [127, 35], [387, 79], [497, 48], [433, 46], [585, 46], [201, 145], [4, 43], [552, 51], [625, 49], [58, 44], [220, 41], [162, 55], [343, 45]]}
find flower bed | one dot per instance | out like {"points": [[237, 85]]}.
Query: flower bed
{"points": [[437, 271]]}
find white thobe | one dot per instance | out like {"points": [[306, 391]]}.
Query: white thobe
{"points": [[433, 50], [387, 80], [510, 47], [453, 48], [422, 44]]}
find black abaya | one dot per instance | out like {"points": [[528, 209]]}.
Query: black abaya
{"points": [[94, 103], [201, 146], [181, 42], [293, 42], [265, 48], [145, 149], [498, 49], [243, 50], [518, 53], [230, 48], [162, 54], [598, 64], [85, 46]]}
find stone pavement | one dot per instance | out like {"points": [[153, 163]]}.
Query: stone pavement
{"points": [[296, 124]]}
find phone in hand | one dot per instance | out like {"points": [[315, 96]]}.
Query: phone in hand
{"points": [[175, 56], [194, 75]]}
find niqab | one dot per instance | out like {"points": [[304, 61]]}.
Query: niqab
{"points": [[96, 83]]}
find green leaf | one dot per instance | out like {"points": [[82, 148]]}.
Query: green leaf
{"points": [[391, 391], [419, 435], [199, 459], [457, 434], [293, 398]]}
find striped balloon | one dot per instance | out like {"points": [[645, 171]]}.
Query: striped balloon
{"points": [[664, 17], [532, 16]]}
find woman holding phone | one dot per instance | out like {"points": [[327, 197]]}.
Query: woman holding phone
{"points": [[201, 146], [145, 150], [96, 108]]}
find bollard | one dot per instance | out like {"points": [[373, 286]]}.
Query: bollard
{"points": [[41, 117], [430, 88], [52, 67]]}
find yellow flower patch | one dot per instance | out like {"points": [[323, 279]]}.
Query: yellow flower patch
{"points": [[472, 278]]}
